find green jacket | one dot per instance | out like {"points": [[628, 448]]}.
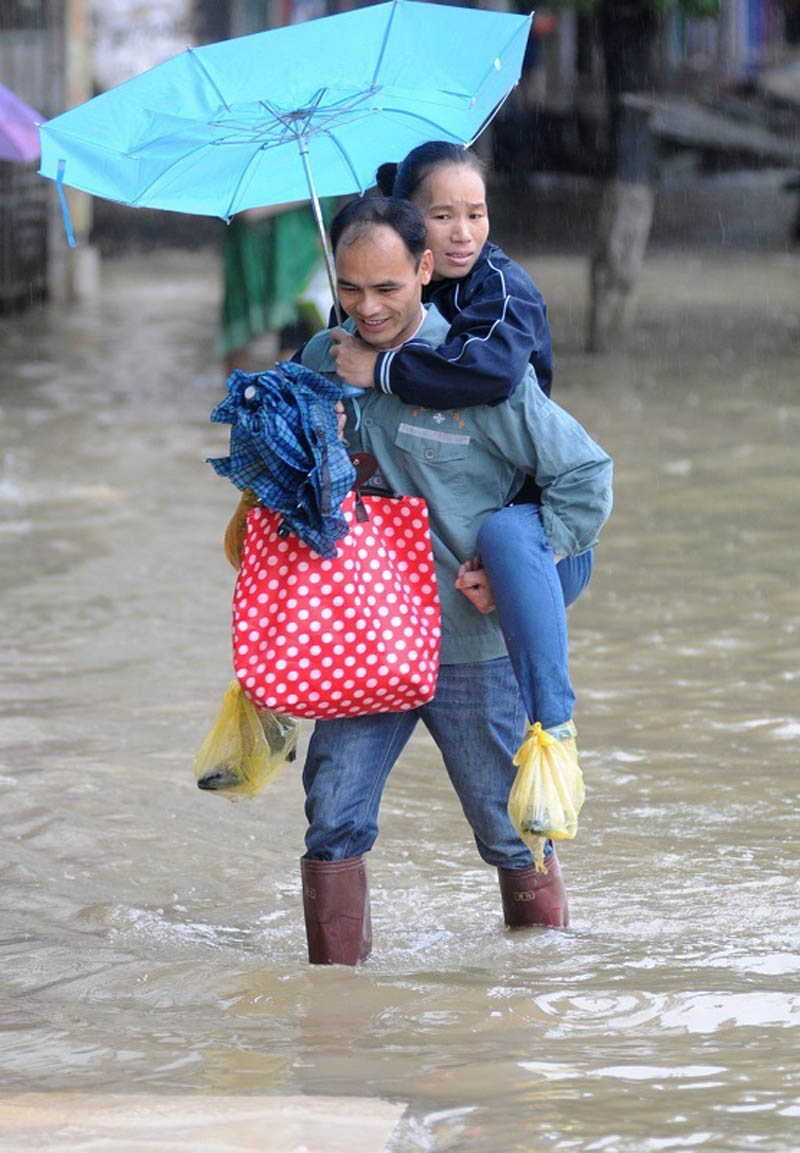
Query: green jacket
{"points": [[468, 465]]}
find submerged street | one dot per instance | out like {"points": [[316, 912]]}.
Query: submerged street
{"points": [[153, 939]]}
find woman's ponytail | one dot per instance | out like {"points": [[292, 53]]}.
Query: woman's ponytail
{"points": [[385, 178]]}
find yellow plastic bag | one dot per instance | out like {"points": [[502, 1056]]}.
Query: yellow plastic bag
{"points": [[246, 749], [548, 792]]}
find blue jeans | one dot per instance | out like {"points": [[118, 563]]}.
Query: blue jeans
{"points": [[531, 594], [477, 720]]}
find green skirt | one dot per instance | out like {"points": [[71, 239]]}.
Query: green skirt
{"points": [[266, 264]]}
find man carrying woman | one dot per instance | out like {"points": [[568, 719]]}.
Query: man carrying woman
{"points": [[468, 465]]}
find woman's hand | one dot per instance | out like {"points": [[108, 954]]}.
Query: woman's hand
{"points": [[355, 361], [473, 582]]}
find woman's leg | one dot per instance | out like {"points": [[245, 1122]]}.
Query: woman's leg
{"points": [[574, 572], [530, 604]]}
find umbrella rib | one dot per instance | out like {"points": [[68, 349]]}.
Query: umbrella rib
{"points": [[239, 182], [382, 52], [137, 200], [290, 133], [316, 100], [500, 54], [286, 119], [60, 134], [334, 113], [425, 120], [283, 119], [340, 148], [193, 56], [489, 118]]}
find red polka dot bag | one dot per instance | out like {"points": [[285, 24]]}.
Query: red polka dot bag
{"points": [[341, 637]]}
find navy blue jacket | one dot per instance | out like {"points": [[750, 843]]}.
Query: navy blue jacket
{"points": [[498, 324]]}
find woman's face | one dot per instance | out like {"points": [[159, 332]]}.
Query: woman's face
{"points": [[452, 198]]}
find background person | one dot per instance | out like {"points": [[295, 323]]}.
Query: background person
{"points": [[269, 255]]}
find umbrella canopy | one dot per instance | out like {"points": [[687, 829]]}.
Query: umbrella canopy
{"points": [[294, 113], [225, 127], [19, 136]]}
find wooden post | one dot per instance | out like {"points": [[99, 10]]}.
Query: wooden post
{"points": [[626, 213], [623, 228], [73, 272]]}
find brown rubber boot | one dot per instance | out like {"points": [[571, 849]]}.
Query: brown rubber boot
{"points": [[336, 908], [534, 898]]}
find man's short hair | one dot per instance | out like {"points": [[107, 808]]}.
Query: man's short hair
{"points": [[359, 217]]}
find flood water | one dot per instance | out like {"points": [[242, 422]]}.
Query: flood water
{"points": [[152, 938]]}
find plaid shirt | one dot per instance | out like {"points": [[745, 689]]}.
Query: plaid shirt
{"points": [[285, 447]]}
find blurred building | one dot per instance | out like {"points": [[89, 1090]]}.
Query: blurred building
{"points": [[56, 53], [33, 66], [557, 118]]}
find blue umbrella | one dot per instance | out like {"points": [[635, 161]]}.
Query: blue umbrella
{"points": [[295, 113]]}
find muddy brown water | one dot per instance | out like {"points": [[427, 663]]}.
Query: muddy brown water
{"points": [[152, 938]]}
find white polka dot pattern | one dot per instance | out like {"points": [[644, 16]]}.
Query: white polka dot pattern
{"points": [[344, 637]]}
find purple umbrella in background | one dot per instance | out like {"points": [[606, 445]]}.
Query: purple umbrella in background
{"points": [[19, 134]]}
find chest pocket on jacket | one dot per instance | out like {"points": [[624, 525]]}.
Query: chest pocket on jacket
{"points": [[436, 455], [430, 445]]}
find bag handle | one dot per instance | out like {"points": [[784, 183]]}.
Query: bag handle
{"points": [[365, 465]]}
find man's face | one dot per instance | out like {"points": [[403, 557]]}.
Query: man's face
{"points": [[379, 287]]}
